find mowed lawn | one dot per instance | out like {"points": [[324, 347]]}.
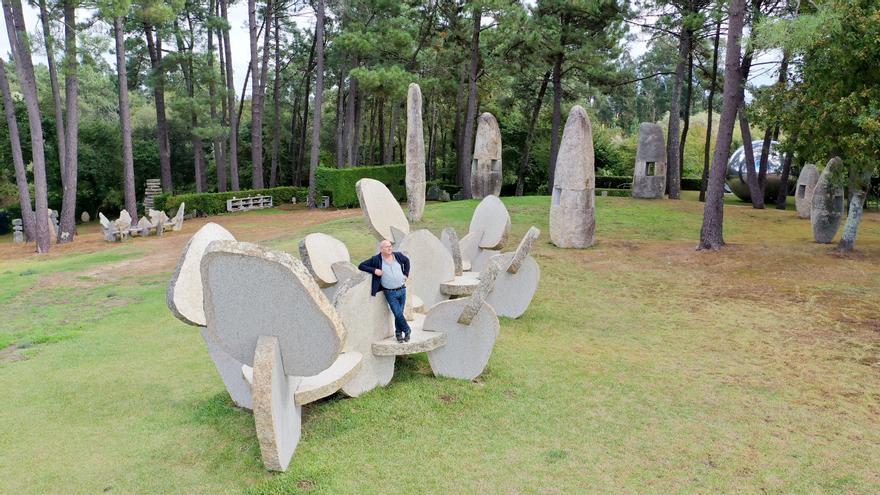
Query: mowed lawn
{"points": [[642, 366]]}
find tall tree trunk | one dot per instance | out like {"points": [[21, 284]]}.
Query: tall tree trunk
{"points": [[21, 49], [307, 76], [276, 108], [556, 120], [217, 141], [186, 67], [396, 109], [319, 100], [292, 146], [24, 194], [257, 87], [527, 146], [125, 120], [230, 97], [380, 150], [340, 120], [765, 155], [711, 106], [71, 87], [464, 164], [757, 195], [460, 110], [688, 98], [357, 126], [56, 93], [673, 177], [154, 46], [782, 194], [350, 124], [712, 231], [858, 193]]}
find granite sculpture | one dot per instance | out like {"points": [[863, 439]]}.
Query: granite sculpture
{"points": [[572, 205]]}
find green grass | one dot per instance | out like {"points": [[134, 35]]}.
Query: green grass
{"points": [[642, 366]]}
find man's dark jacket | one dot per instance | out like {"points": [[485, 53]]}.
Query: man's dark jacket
{"points": [[375, 262]]}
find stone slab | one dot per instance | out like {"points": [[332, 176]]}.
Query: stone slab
{"points": [[415, 154], [177, 222], [803, 194], [470, 249], [460, 286], [485, 285], [523, 249], [827, 207], [479, 263], [492, 219], [229, 370], [649, 175], [184, 295], [329, 381], [318, 252], [449, 238], [420, 341], [250, 291], [381, 210], [430, 265], [513, 292], [468, 347], [277, 417], [367, 319], [486, 166]]}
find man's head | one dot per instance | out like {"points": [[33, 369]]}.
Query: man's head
{"points": [[385, 247]]}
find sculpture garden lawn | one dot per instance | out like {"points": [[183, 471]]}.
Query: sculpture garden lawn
{"points": [[642, 366]]}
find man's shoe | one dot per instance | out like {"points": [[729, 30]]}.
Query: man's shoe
{"points": [[401, 339], [406, 337]]}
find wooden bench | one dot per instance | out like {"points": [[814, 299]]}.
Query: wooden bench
{"points": [[249, 203]]}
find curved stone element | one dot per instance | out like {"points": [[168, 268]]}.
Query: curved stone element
{"points": [[523, 249], [479, 263], [649, 176], [460, 286], [415, 154], [381, 210], [572, 208], [417, 304], [514, 292], [229, 370], [492, 219], [177, 221], [367, 319], [344, 270], [470, 248], [430, 265], [468, 347], [420, 341], [184, 295], [827, 205], [486, 166], [252, 292], [329, 381], [803, 194], [318, 253], [485, 285], [277, 417], [449, 238]]}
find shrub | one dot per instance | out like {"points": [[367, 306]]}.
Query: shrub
{"points": [[215, 203], [339, 183]]}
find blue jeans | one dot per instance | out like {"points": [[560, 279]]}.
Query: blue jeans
{"points": [[396, 300]]}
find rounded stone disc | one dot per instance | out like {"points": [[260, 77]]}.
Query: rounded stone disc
{"points": [[252, 292], [430, 265], [367, 319], [318, 252], [492, 219], [184, 295], [381, 210], [513, 292], [468, 347]]}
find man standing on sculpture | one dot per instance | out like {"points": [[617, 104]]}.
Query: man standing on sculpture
{"points": [[390, 271]]}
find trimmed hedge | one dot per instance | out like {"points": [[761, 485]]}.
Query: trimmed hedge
{"points": [[338, 183], [625, 182], [215, 203]]}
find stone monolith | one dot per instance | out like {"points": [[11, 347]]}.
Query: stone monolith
{"points": [[415, 154], [803, 195], [572, 210], [649, 176], [827, 205], [486, 165]]}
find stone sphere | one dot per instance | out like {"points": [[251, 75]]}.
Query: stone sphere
{"points": [[736, 172]]}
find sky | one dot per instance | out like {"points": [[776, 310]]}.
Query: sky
{"points": [[240, 42]]}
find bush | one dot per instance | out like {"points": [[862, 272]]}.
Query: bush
{"points": [[215, 203], [339, 183], [614, 182]]}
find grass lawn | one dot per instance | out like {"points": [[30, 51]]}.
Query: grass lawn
{"points": [[642, 366]]}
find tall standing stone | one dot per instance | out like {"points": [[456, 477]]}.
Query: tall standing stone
{"points": [[806, 184], [572, 209], [415, 154], [486, 165], [827, 204], [649, 176]]}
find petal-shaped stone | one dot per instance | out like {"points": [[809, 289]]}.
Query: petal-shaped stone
{"points": [[229, 370], [327, 382], [318, 252], [513, 292], [381, 210], [468, 347], [492, 219]]}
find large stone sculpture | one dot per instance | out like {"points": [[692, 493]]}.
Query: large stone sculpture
{"points": [[827, 205], [415, 154], [649, 176], [803, 195], [430, 265], [572, 211], [486, 166], [381, 211], [517, 281]]}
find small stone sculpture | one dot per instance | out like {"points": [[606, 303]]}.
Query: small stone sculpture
{"points": [[486, 173], [803, 195], [649, 176]]}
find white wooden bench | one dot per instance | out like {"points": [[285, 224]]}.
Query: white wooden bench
{"points": [[249, 203]]}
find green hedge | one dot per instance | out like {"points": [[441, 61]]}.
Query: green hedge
{"points": [[625, 182], [338, 183], [215, 203]]}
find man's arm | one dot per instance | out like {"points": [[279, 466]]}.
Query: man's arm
{"points": [[366, 266], [404, 264]]}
